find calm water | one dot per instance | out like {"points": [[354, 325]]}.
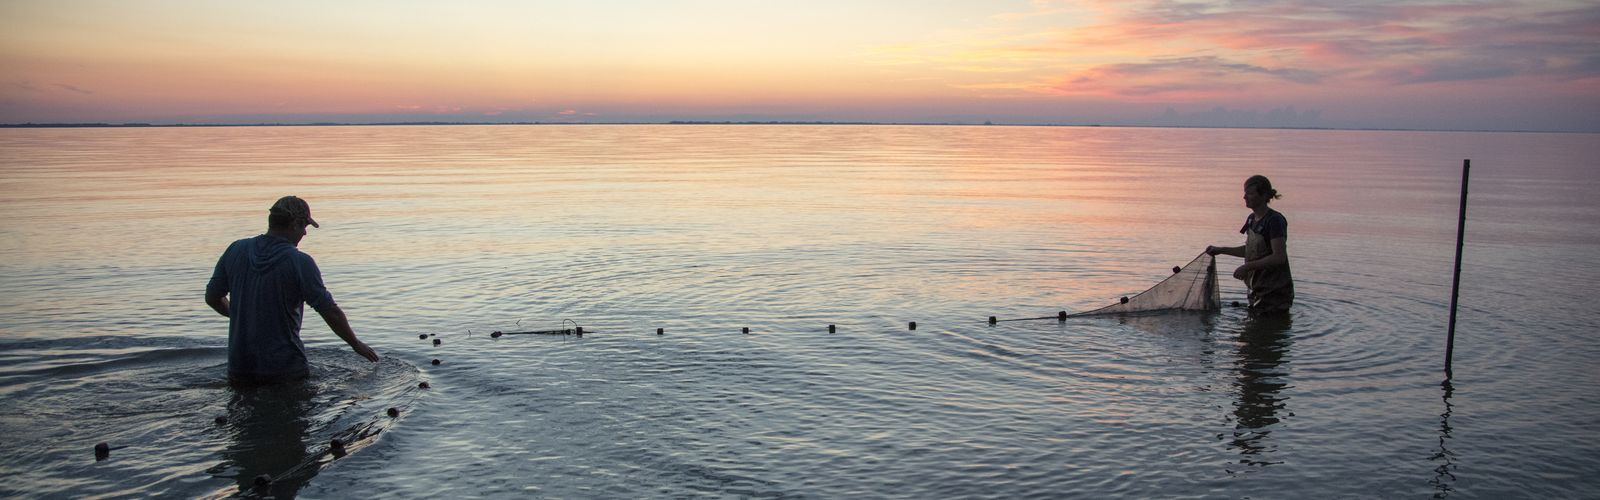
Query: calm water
{"points": [[107, 237]]}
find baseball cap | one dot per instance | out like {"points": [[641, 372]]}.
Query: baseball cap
{"points": [[295, 207]]}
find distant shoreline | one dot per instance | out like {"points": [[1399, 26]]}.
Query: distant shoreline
{"points": [[700, 122]]}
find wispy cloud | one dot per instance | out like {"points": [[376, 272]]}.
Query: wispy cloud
{"points": [[1146, 48], [1192, 76], [71, 88]]}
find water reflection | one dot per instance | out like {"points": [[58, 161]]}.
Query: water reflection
{"points": [[270, 427], [768, 226], [1444, 476], [1263, 350]]}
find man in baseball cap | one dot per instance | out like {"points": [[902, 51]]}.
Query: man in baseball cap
{"points": [[294, 208], [261, 285]]}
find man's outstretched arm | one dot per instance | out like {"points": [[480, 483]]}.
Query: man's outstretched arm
{"points": [[340, 325]]}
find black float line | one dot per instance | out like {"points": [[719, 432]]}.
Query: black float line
{"points": [[1060, 316], [337, 447], [832, 328]]}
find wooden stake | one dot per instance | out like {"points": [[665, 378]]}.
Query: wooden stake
{"points": [[1455, 285]]}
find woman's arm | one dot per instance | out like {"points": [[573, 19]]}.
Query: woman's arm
{"points": [[1234, 251], [1279, 257]]}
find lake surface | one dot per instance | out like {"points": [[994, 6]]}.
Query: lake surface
{"points": [[107, 238]]}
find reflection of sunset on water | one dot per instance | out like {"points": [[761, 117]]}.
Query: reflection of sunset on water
{"points": [[703, 231]]}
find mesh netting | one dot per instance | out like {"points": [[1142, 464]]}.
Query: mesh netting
{"points": [[1191, 288]]}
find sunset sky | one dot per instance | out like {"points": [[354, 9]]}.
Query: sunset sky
{"points": [[1471, 64]]}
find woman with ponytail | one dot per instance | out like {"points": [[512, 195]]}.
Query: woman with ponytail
{"points": [[1266, 258]]}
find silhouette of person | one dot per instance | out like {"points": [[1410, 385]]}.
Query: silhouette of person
{"points": [[261, 285], [1266, 256]]}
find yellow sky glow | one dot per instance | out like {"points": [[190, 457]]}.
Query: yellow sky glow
{"points": [[1045, 61]]}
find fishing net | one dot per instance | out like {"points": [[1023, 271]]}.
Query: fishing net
{"points": [[1190, 288]]}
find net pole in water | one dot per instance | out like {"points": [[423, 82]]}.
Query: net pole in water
{"points": [[1455, 284]]}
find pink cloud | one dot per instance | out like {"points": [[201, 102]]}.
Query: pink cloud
{"points": [[75, 89], [1172, 48], [1178, 77]]}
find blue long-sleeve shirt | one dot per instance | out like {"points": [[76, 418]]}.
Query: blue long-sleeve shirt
{"points": [[267, 280]]}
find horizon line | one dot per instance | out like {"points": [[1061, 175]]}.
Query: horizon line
{"points": [[741, 122]]}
